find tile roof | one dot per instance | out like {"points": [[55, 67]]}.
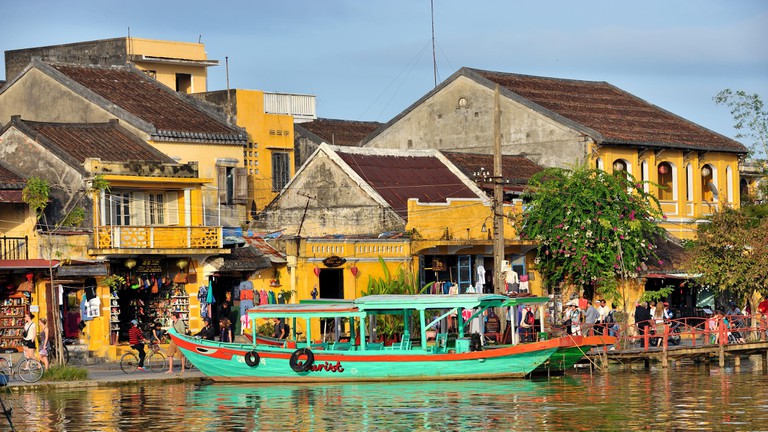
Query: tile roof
{"points": [[516, 169], [11, 196], [107, 141], [245, 258], [618, 116], [339, 132], [174, 116], [9, 180], [398, 178]]}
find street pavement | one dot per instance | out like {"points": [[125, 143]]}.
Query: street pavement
{"points": [[106, 374]]}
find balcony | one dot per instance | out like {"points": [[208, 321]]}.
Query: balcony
{"points": [[14, 248], [114, 239]]}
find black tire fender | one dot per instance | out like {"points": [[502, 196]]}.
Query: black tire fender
{"points": [[252, 358], [305, 365]]}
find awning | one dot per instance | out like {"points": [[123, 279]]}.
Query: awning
{"points": [[28, 264], [242, 259], [82, 270]]}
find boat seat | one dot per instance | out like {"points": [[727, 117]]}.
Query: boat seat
{"points": [[404, 344], [374, 346], [341, 346], [319, 346], [441, 343]]}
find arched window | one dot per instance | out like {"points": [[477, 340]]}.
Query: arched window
{"points": [[599, 163], [689, 182], [729, 184], [621, 165], [666, 182], [708, 185]]}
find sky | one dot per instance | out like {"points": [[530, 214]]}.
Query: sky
{"points": [[371, 59]]}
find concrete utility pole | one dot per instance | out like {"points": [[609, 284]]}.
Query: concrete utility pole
{"points": [[498, 199]]}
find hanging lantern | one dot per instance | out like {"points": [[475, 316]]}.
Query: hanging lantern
{"points": [[354, 270], [182, 263], [317, 271], [618, 166], [130, 263], [706, 171], [663, 169]]}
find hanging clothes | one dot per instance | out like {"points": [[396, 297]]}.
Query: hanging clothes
{"points": [[202, 297], [263, 297]]}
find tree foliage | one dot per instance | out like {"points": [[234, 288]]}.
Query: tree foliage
{"points": [[731, 253], [592, 226], [750, 118]]}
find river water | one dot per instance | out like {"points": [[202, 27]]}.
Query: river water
{"points": [[687, 398]]}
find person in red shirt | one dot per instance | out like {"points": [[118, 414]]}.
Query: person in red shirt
{"points": [[136, 339], [762, 309]]}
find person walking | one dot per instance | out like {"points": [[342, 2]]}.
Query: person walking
{"points": [[29, 335], [43, 338], [181, 328], [642, 320], [136, 340]]}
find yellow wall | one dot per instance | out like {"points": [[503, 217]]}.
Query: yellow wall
{"points": [[461, 219], [267, 133], [166, 73], [682, 214]]}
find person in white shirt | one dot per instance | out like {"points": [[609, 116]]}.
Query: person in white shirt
{"points": [[29, 336]]}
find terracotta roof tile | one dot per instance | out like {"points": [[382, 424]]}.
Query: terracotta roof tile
{"points": [[620, 117], [340, 132], [245, 258], [9, 180], [169, 112], [107, 141], [400, 178]]}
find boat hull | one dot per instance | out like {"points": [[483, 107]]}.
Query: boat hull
{"points": [[226, 362], [566, 357]]}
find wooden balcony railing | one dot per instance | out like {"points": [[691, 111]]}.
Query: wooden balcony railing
{"points": [[13, 248], [157, 237]]}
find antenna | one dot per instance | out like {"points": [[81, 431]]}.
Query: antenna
{"points": [[434, 58], [229, 101], [200, 38]]}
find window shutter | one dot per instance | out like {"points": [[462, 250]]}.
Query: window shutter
{"points": [[241, 186], [221, 183], [172, 208], [138, 209]]}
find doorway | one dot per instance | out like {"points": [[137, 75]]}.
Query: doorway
{"points": [[331, 284]]}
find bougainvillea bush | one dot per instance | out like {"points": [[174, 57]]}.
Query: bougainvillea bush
{"points": [[592, 227]]}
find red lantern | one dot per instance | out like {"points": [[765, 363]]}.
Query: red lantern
{"points": [[353, 269], [663, 169], [317, 271]]}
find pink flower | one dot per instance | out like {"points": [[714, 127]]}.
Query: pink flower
{"points": [[661, 262], [632, 215]]}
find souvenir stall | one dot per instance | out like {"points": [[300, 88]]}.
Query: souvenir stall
{"points": [[148, 289], [15, 301]]}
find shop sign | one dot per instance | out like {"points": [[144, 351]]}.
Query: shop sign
{"points": [[329, 367], [149, 265], [334, 261]]}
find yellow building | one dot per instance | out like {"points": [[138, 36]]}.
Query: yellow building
{"points": [[268, 118], [182, 66]]}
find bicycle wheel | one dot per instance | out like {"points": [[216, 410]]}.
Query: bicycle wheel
{"points": [[5, 366], [30, 370], [156, 362], [129, 362]]}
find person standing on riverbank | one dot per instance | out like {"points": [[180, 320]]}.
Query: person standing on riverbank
{"points": [[591, 315], [43, 338], [642, 321], [29, 335], [181, 328]]}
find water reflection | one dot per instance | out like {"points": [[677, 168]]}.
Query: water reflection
{"points": [[684, 399]]}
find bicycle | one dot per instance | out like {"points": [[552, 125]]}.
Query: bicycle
{"points": [[53, 354], [30, 370], [155, 360]]}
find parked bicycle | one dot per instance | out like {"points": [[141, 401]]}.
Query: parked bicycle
{"points": [[155, 360], [28, 369], [53, 354]]}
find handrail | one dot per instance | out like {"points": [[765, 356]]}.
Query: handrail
{"points": [[692, 331]]}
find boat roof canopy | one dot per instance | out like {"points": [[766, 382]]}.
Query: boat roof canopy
{"points": [[514, 301], [399, 302], [306, 310]]}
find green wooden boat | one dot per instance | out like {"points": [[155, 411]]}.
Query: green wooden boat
{"points": [[362, 360]]}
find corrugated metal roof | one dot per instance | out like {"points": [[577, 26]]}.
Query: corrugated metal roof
{"points": [[9, 180], [274, 255], [11, 196], [400, 178], [516, 169], [245, 258], [617, 115]]}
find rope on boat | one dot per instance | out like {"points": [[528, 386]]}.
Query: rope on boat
{"points": [[585, 354]]}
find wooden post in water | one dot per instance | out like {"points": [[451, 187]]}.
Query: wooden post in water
{"points": [[721, 361]]}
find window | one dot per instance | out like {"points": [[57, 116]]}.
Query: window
{"points": [[708, 185], [155, 209], [644, 176], [689, 183], [281, 171], [599, 163], [119, 209], [183, 83], [666, 182], [729, 184], [233, 184]]}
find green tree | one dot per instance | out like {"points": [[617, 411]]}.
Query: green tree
{"points": [[749, 116], [593, 228], [730, 254]]}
